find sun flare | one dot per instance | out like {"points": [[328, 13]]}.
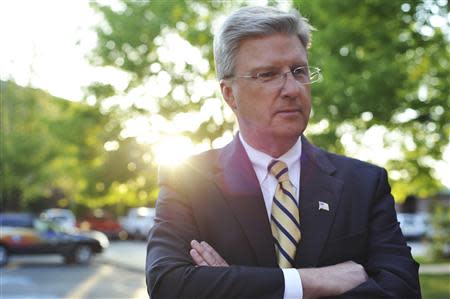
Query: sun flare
{"points": [[173, 150]]}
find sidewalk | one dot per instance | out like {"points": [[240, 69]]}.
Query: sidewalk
{"points": [[434, 269], [130, 255]]}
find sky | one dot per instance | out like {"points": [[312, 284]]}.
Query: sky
{"points": [[45, 43]]}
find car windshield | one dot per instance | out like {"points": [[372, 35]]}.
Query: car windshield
{"points": [[43, 226]]}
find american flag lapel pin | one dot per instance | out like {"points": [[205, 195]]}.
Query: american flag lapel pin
{"points": [[324, 206]]}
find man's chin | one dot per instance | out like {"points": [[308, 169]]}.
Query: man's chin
{"points": [[289, 136], [290, 131]]}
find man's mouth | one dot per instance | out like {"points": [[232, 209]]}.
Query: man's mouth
{"points": [[288, 112]]}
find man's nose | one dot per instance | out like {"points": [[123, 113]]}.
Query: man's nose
{"points": [[291, 87]]}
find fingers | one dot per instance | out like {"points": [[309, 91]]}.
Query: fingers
{"points": [[199, 261], [217, 258], [204, 255], [197, 254]]}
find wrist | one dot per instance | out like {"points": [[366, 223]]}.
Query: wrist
{"points": [[312, 283]]}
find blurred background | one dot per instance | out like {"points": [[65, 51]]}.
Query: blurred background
{"points": [[96, 94]]}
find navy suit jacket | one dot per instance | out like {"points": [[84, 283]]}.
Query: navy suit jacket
{"points": [[216, 197]]}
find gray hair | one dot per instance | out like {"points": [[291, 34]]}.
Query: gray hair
{"points": [[254, 22]]}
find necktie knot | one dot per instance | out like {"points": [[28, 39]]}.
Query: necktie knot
{"points": [[279, 170]]}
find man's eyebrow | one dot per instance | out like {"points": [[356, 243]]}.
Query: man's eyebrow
{"points": [[275, 67], [263, 68]]}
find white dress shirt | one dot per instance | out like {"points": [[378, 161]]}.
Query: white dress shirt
{"points": [[292, 281]]}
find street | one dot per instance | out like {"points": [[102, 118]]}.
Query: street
{"points": [[47, 277], [116, 273]]}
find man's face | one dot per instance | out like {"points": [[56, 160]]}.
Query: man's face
{"points": [[267, 113]]}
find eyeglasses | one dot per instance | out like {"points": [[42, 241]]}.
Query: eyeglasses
{"points": [[302, 74]]}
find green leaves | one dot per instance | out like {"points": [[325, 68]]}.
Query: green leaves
{"points": [[385, 63], [381, 66], [381, 70], [61, 153]]}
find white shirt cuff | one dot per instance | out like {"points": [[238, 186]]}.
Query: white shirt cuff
{"points": [[293, 288]]}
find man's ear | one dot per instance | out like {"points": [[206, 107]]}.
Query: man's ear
{"points": [[227, 93]]}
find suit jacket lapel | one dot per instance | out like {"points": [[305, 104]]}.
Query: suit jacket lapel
{"points": [[240, 187], [239, 184], [316, 184]]}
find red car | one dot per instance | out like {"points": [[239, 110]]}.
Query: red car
{"points": [[103, 221]]}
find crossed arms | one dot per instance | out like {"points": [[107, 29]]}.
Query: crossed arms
{"points": [[340, 278]]}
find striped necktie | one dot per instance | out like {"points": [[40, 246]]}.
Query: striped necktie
{"points": [[285, 216]]}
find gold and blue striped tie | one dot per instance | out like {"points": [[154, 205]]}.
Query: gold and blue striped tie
{"points": [[285, 216]]}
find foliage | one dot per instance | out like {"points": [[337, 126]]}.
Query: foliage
{"points": [[27, 145], [381, 71], [133, 39], [53, 153], [386, 69], [440, 237]]}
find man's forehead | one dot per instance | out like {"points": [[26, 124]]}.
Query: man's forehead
{"points": [[273, 50]]}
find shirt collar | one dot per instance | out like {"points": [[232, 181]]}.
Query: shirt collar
{"points": [[261, 160]]}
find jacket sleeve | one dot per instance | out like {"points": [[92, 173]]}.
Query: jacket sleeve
{"points": [[170, 271], [392, 271]]}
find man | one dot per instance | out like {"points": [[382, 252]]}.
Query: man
{"points": [[270, 215]]}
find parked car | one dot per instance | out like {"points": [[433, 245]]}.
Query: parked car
{"points": [[414, 226], [62, 217], [23, 233], [103, 221], [138, 221]]}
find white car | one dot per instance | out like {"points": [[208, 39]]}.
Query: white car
{"points": [[63, 217], [138, 222], [414, 225]]}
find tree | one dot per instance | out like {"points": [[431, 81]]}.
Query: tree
{"points": [[385, 64], [27, 147], [384, 71], [56, 152], [165, 48]]}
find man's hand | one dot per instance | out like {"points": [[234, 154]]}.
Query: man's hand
{"points": [[332, 280], [204, 255]]}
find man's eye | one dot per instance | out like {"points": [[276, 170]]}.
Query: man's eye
{"points": [[300, 71], [267, 75]]}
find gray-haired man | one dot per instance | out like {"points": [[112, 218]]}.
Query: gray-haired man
{"points": [[270, 215]]}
